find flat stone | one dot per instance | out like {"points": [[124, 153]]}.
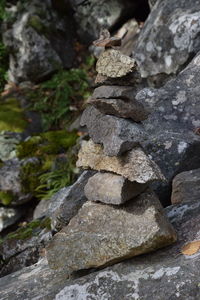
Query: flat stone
{"points": [[113, 91], [116, 134], [156, 275], [165, 274], [113, 63], [111, 188], [186, 187], [134, 165], [8, 216], [100, 235]]}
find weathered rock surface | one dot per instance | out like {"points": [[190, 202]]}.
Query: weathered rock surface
{"points": [[100, 234], [8, 216], [169, 38], [32, 41], [112, 63], [23, 247], [111, 188], [119, 101], [93, 15], [164, 274], [173, 139], [66, 203], [8, 143], [186, 187], [134, 165], [116, 134]]}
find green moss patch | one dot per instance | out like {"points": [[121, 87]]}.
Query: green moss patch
{"points": [[6, 197], [12, 117]]}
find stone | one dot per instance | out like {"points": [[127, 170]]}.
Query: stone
{"points": [[152, 3], [111, 188], [94, 15], [169, 38], [120, 108], [8, 143], [38, 35], [116, 134], [114, 92], [23, 247], [173, 140], [66, 203], [134, 165], [112, 63], [100, 235], [163, 274], [8, 216], [186, 187]]}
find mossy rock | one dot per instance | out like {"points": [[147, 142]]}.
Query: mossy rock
{"points": [[6, 197], [12, 117], [36, 23]]}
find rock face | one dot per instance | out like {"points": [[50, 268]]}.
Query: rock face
{"points": [[116, 134], [173, 138], [112, 63], [100, 234], [66, 203], [169, 38], [33, 40], [118, 101], [8, 143], [111, 188], [8, 216], [186, 187], [164, 274], [134, 165]]}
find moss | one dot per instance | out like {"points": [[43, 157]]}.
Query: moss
{"points": [[31, 229], [6, 197], [29, 148], [29, 175], [12, 117], [36, 23]]}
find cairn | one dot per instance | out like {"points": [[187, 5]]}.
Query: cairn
{"points": [[122, 217]]}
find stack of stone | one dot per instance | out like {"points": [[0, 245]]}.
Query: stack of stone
{"points": [[122, 217]]}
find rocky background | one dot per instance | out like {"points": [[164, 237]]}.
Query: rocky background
{"points": [[47, 75]]}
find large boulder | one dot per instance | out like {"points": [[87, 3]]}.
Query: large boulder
{"points": [[39, 39], [102, 234], [165, 274], [117, 135], [169, 38], [173, 126]]}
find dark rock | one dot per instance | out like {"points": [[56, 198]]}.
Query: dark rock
{"points": [[102, 234], [8, 216], [165, 274], [174, 143], [39, 36], [116, 134], [111, 188], [65, 204], [121, 92], [169, 38], [186, 187]]}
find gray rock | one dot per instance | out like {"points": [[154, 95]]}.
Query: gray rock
{"points": [[65, 204], [11, 182], [121, 92], [186, 187], [164, 274], [152, 3], [173, 138], [93, 15], [100, 235], [169, 38], [8, 216], [8, 143], [111, 188], [35, 39], [116, 134], [135, 165]]}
